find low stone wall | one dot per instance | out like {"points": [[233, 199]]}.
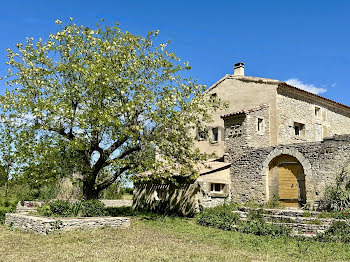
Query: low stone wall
{"points": [[45, 225], [116, 203], [31, 206], [300, 226]]}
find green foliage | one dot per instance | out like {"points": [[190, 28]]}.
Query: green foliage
{"points": [[120, 211], [337, 197], [7, 205], [62, 208], [91, 208], [112, 192], [344, 214], [338, 232], [255, 224], [261, 228], [103, 103], [274, 203], [219, 217], [223, 218], [48, 192], [307, 214]]}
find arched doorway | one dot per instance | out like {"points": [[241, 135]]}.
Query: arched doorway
{"points": [[286, 180]]}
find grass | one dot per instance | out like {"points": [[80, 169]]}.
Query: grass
{"points": [[162, 239]]}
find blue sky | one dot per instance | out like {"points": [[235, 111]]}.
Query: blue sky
{"points": [[308, 41]]}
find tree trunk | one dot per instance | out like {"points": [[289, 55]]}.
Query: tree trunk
{"points": [[89, 191]]}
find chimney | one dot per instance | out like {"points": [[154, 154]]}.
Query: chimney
{"points": [[238, 69]]}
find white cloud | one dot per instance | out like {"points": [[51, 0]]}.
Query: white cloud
{"points": [[334, 84], [310, 88]]}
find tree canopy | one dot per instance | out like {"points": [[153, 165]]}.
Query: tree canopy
{"points": [[103, 103]]}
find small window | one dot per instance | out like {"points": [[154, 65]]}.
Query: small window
{"points": [[317, 111], [215, 134], [260, 124], [298, 129], [218, 188]]}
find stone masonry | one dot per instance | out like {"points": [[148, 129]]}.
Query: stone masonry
{"points": [[321, 161], [45, 225]]}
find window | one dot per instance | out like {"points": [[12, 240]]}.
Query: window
{"points": [[218, 188], [215, 132], [317, 111], [260, 124], [298, 129]]}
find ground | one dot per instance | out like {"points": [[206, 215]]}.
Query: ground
{"points": [[162, 239]]}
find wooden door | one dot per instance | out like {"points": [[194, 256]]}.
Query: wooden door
{"points": [[288, 187]]}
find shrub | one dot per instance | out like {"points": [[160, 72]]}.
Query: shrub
{"points": [[120, 211], [63, 208], [307, 214], [91, 208], [219, 217], [7, 205], [261, 228], [60, 208], [223, 218], [337, 197], [256, 225], [338, 232], [274, 203]]}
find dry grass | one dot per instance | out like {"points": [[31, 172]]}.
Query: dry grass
{"points": [[161, 240]]}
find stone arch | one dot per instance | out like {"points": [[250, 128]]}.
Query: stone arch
{"points": [[305, 163]]}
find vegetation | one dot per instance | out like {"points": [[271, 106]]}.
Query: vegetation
{"points": [[219, 217], [61, 208], [338, 232], [222, 217], [163, 239], [102, 103], [337, 197]]}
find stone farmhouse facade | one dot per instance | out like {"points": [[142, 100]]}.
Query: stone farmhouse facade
{"points": [[273, 140]]}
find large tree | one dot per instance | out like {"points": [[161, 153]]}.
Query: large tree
{"points": [[92, 101]]}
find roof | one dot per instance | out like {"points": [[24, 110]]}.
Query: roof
{"points": [[280, 84], [203, 168], [246, 111]]}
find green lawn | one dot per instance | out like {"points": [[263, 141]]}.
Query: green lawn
{"points": [[162, 239]]}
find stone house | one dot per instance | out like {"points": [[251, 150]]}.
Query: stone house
{"points": [[274, 139]]}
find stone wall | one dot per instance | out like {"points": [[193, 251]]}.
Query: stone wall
{"points": [[321, 161], [44, 225], [116, 202], [292, 107]]}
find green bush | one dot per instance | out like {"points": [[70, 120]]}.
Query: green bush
{"points": [[307, 214], [223, 218], [92, 208], [337, 197], [7, 205], [345, 214], [261, 228], [219, 217], [338, 232], [274, 203], [62, 208], [120, 211], [256, 225]]}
